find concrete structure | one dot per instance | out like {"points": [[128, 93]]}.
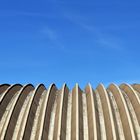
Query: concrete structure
{"points": [[28, 112]]}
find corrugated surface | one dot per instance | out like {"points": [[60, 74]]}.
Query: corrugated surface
{"points": [[28, 112]]}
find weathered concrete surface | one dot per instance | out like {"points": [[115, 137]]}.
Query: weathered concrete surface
{"points": [[111, 113]]}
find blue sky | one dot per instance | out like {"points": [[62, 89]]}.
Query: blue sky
{"points": [[69, 41]]}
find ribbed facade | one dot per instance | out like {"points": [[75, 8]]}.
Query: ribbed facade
{"points": [[39, 113]]}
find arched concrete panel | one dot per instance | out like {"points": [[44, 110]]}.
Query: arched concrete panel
{"points": [[47, 108], [124, 113], [14, 116], [92, 114], [77, 115], [32, 112], [25, 117], [7, 96], [111, 132], [133, 98], [41, 117], [11, 87], [3, 87], [136, 87], [61, 114]]}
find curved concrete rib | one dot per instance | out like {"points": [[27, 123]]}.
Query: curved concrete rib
{"points": [[26, 118], [15, 114], [3, 87], [124, 113], [101, 114], [77, 116], [3, 90], [42, 113], [37, 119], [92, 114], [108, 116], [46, 112], [21, 120], [7, 114], [32, 112], [136, 87], [12, 87], [133, 98], [13, 102], [7, 96], [116, 114], [61, 114]]}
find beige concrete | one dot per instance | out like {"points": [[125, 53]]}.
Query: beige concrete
{"points": [[108, 115], [124, 113], [102, 127], [48, 112], [92, 114], [77, 117], [41, 116], [59, 114], [22, 96], [133, 98], [26, 118], [3, 87]]}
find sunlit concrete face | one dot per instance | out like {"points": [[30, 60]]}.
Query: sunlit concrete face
{"points": [[40, 113]]}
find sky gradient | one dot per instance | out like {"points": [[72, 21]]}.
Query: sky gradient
{"points": [[69, 41]]}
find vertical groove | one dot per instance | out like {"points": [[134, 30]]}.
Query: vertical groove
{"points": [[85, 119], [100, 116], [64, 114], [47, 109], [61, 114], [69, 112], [37, 119], [74, 117], [77, 117], [42, 113], [93, 120], [80, 113], [52, 120]]}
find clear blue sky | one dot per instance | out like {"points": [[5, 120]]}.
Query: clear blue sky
{"points": [[69, 41]]}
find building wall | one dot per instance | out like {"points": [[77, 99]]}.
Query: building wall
{"points": [[28, 112]]}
